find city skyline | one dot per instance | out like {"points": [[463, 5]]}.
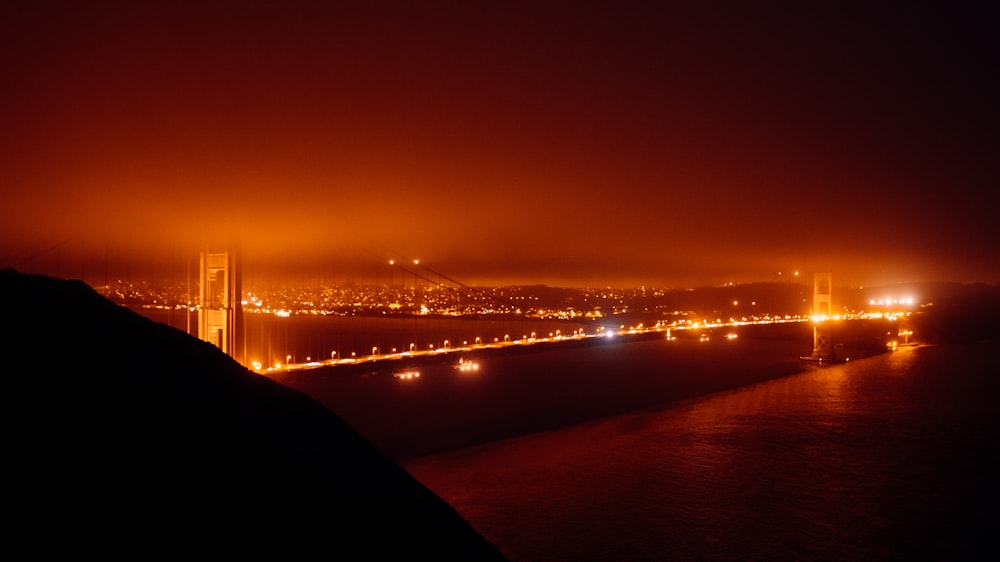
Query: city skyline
{"points": [[557, 143]]}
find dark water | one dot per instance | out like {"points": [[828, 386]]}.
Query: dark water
{"points": [[651, 449], [888, 458], [525, 389]]}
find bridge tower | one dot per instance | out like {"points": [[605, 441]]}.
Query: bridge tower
{"points": [[822, 309], [220, 314]]}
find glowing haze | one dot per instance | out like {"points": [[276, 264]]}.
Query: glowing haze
{"points": [[552, 142]]}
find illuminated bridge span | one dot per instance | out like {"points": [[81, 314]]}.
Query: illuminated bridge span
{"points": [[413, 311], [380, 306], [600, 333]]}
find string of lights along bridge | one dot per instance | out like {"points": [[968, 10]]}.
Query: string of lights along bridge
{"points": [[398, 308], [381, 305]]}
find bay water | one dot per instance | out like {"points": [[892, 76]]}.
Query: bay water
{"points": [[891, 457], [722, 447]]}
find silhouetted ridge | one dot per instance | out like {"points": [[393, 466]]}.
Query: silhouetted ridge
{"points": [[126, 435]]}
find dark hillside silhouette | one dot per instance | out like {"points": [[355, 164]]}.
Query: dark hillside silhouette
{"points": [[129, 437]]}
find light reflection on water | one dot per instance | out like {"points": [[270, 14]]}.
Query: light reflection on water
{"points": [[885, 458]]}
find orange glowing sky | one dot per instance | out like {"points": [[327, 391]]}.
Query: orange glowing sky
{"points": [[554, 142]]}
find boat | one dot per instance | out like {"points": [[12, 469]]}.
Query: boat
{"points": [[464, 365]]}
